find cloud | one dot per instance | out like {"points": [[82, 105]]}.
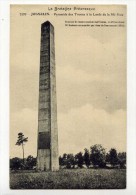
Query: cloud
{"points": [[85, 126], [79, 76], [91, 69], [76, 87], [91, 84], [77, 129], [90, 52], [90, 66]]}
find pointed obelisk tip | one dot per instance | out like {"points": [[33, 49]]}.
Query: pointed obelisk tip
{"points": [[47, 23]]}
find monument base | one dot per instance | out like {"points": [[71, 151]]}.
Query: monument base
{"points": [[43, 160]]}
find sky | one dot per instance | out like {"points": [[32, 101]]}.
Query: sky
{"points": [[90, 81]]}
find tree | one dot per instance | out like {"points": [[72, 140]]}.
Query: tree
{"points": [[79, 159], [15, 163], [21, 140], [67, 160], [107, 158], [98, 156], [70, 161], [60, 161], [64, 159], [113, 157], [122, 159], [30, 162], [87, 157]]}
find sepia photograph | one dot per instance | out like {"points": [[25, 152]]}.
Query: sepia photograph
{"points": [[68, 96]]}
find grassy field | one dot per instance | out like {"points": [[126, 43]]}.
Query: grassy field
{"points": [[70, 179]]}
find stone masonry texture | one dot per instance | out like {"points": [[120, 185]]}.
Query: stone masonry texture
{"points": [[47, 152]]}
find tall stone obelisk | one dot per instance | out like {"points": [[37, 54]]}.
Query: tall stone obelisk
{"points": [[47, 152]]}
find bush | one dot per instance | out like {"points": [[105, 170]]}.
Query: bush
{"points": [[16, 163], [98, 156], [113, 157]]}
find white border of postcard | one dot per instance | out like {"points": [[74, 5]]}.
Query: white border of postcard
{"points": [[4, 97]]}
